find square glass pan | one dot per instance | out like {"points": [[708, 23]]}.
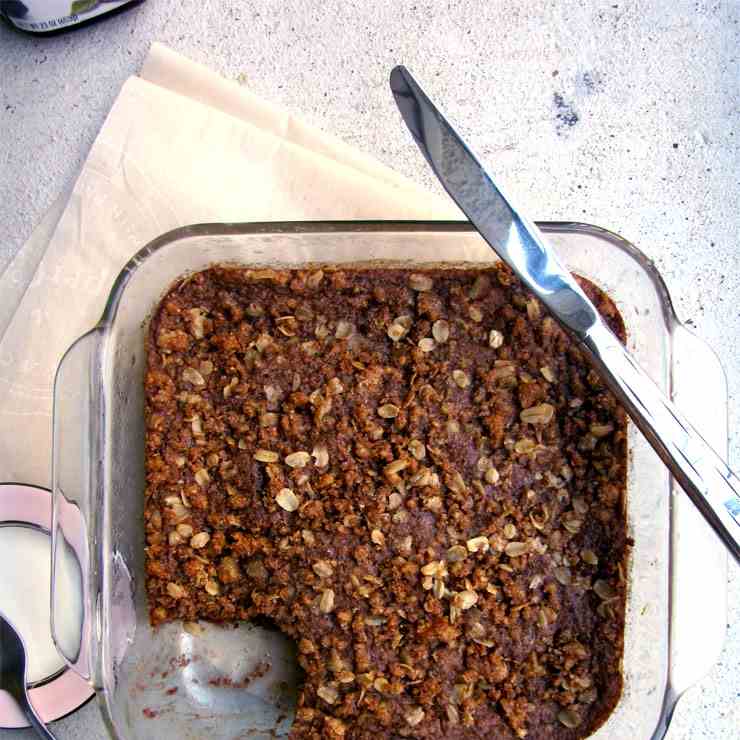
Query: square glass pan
{"points": [[171, 683]]}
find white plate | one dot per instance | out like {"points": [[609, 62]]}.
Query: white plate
{"points": [[65, 691]]}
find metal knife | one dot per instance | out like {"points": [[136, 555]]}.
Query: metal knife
{"points": [[701, 472]]}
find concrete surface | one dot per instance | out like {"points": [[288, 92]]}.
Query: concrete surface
{"points": [[622, 113]]}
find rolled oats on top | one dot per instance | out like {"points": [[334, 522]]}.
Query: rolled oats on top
{"points": [[414, 474]]}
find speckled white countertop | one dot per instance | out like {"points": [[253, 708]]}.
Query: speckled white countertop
{"points": [[624, 114]]}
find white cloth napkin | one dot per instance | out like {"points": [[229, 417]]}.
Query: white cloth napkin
{"points": [[181, 145]]}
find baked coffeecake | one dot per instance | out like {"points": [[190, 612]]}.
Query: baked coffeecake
{"points": [[415, 475]]}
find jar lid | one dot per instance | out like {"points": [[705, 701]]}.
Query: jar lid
{"points": [[25, 572]]}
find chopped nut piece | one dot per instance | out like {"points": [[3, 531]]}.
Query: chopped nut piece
{"points": [[483, 464], [589, 557], [426, 344], [434, 503], [548, 374], [320, 455], [588, 442], [536, 581], [396, 467], [262, 342], [601, 430], [478, 544], [405, 320], [417, 449], [192, 376], [335, 386], [452, 714], [229, 389], [388, 411], [287, 500], [533, 309], [323, 569], [562, 576], [461, 378], [457, 553], [495, 338], [175, 590], [326, 603], [492, 475], [184, 530], [198, 320], [580, 505], [174, 538], [328, 693], [538, 546], [212, 588], [540, 414], [394, 501], [298, 459], [435, 568], [516, 549], [308, 537], [314, 279], [569, 718], [268, 419], [377, 537], [441, 331], [465, 599], [456, 483], [423, 477], [478, 633], [230, 572], [344, 329], [414, 716], [572, 525], [200, 540], [304, 313], [382, 685], [396, 332], [266, 456], [525, 446], [475, 313], [420, 283], [287, 325]]}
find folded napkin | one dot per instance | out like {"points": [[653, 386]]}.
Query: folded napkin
{"points": [[181, 145]]}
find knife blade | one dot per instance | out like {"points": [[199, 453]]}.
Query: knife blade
{"points": [[701, 472]]}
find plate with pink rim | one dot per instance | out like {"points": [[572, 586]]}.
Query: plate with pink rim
{"points": [[25, 571]]}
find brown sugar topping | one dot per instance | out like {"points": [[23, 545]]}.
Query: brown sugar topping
{"points": [[414, 474]]}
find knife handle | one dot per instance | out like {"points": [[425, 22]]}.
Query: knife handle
{"points": [[701, 472]]}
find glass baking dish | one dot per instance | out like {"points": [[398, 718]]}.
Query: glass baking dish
{"points": [[186, 682]]}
